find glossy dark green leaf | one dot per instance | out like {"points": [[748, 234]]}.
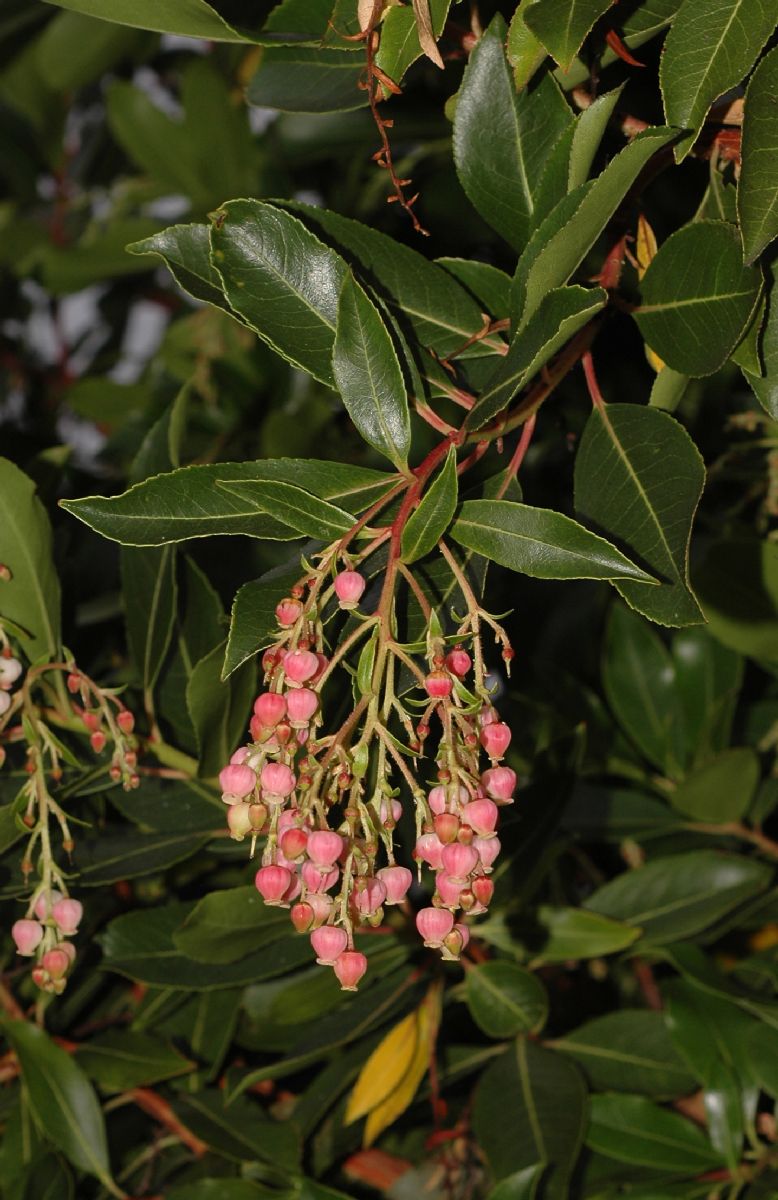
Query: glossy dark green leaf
{"points": [[762, 1056], [521, 1185], [711, 46], [149, 589], [187, 503], [737, 582], [560, 315], [758, 184], [525, 53], [680, 895], [307, 79], [505, 999], [616, 813], [432, 518], [117, 853], [639, 680], [490, 286], [590, 127], [253, 623], [62, 1099], [399, 46], [708, 677], [562, 25], [171, 806], [668, 389], [722, 789], [31, 597], [564, 237], [697, 298], [219, 708], [638, 478], [546, 1097], [367, 374], [293, 505], [188, 18], [502, 140], [573, 933], [765, 385], [634, 1130], [239, 1130], [226, 925], [629, 1051], [140, 946], [119, 1060], [281, 279], [539, 542], [186, 251]]}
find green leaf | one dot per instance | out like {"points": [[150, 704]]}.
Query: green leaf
{"points": [[762, 1057], [765, 386], [538, 542], [368, 376], [561, 314], [253, 623], [708, 679], [590, 128], [629, 1051], [697, 298], [186, 503], [296, 507], [238, 1129], [186, 251], [502, 140], [525, 53], [655, 476], [219, 708], [307, 79], [170, 806], [74, 50], [562, 25], [31, 597], [639, 680], [521, 1185], [634, 1130], [116, 853], [399, 46], [721, 790], [737, 583], [546, 1099], [120, 1060], [490, 286], [149, 591], [63, 1101], [565, 236], [712, 44], [668, 389], [140, 945], [281, 279], [678, 896], [225, 926], [432, 518], [757, 191], [188, 18], [574, 933], [223, 1188], [505, 999]]}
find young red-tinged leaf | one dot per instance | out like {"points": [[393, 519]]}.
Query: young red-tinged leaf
{"points": [[757, 195], [431, 519], [712, 44], [368, 376], [562, 25]]}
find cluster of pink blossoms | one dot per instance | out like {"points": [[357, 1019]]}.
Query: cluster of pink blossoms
{"points": [[10, 673], [51, 919], [291, 784]]}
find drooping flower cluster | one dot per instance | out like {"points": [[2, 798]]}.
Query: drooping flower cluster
{"points": [[327, 804], [51, 919]]}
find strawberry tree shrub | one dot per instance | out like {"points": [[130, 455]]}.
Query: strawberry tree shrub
{"points": [[388, 588]]}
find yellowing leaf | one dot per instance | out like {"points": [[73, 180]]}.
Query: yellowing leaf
{"points": [[386, 1113], [645, 250], [421, 9], [384, 1070]]}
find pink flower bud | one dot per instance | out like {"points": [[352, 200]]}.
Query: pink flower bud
{"points": [[288, 818], [488, 716], [293, 842], [440, 798], [434, 924], [272, 882], [496, 739], [322, 906], [301, 705], [488, 848], [458, 662], [317, 880], [125, 720], [97, 741], [56, 962], [302, 917], [288, 611], [328, 943], [325, 847], [499, 783], [390, 809], [459, 860], [239, 820], [438, 685], [237, 780], [45, 903], [300, 665], [429, 849], [239, 756], [277, 781], [369, 895], [449, 889], [464, 933], [67, 913], [27, 935], [397, 881], [481, 815], [483, 889], [257, 816], [10, 670], [349, 967], [446, 827], [269, 708], [349, 586]]}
